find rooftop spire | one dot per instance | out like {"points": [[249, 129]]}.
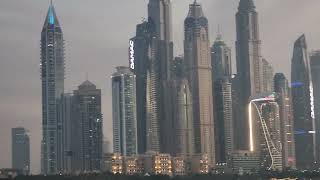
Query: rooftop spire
{"points": [[51, 18], [195, 10]]}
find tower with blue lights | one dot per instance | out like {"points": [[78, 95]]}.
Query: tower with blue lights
{"points": [[303, 105], [52, 78]]}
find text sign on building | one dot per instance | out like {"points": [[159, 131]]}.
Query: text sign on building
{"points": [[131, 54]]}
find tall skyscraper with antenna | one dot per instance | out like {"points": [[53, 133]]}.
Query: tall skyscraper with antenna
{"points": [[52, 77]]}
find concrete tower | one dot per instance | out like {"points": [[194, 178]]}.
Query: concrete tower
{"points": [[198, 69], [249, 67]]}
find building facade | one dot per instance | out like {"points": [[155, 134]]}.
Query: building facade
{"points": [[220, 59], [267, 76], [282, 89], [198, 69], [315, 72], [141, 51], [87, 119], [20, 150], [124, 112], [52, 77], [249, 65], [303, 105], [222, 97], [264, 131], [223, 121]]}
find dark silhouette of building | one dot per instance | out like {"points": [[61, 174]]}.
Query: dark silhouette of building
{"points": [[249, 64], [20, 150], [302, 101]]}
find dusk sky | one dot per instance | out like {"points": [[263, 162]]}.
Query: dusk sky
{"points": [[96, 34]]}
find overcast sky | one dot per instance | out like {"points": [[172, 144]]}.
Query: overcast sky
{"points": [[96, 34]]}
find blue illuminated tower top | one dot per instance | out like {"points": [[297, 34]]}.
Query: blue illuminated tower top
{"points": [[51, 19]]}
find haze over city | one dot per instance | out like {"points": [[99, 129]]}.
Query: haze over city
{"points": [[97, 34]]}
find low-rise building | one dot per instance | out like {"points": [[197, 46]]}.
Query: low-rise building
{"points": [[131, 165], [117, 164], [179, 166], [162, 164], [245, 162], [199, 164]]}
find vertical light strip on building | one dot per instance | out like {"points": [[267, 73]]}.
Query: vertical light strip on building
{"points": [[251, 127]]}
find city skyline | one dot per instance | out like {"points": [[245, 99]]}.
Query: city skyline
{"points": [[78, 72]]}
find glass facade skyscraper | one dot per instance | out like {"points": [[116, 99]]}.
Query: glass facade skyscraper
{"points": [[124, 112], [282, 89], [222, 96], [315, 72], [303, 105], [52, 77]]}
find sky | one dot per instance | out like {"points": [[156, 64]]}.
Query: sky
{"points": [[97, 33]]}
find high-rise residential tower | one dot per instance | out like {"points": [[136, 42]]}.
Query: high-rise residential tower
{"points": [[52, 77], [281, 87], [267, 76], [124, 112], [184, 124], [199, 74], [222, 95], [264, 130], [249, 66], [87, 119], [20, 150], [159, 17], [139, 52], [303, 105], [224, 133], [67, 136], [315, 72], [220, 59]]}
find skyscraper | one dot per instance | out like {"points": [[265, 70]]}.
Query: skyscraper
{"points": [[66, 135], [220, 59], [303, 110], [315, 72], [267, 76], [249, 66], [264, 130], [52, 77], [198, 69], [124, 112], [20, 150], [281, 86], [140, 52], [224, 133], [88, 128], [221, 75], [184, 124], [159, 17]]}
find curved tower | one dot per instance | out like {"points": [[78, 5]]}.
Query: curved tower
{"points": [[303, 106]]}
